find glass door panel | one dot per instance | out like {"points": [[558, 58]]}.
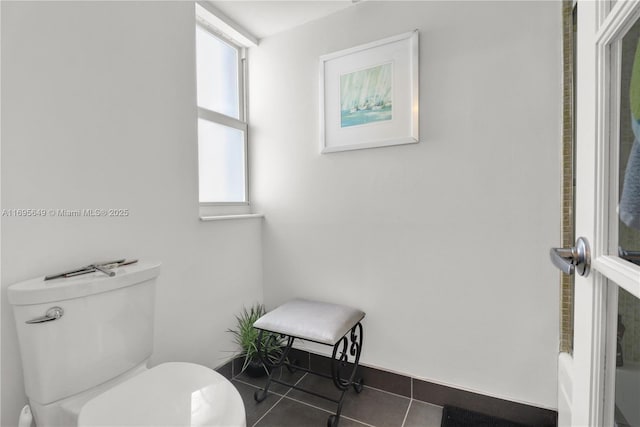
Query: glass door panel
{"points": [[627, 375], [624, 329], [629, 149], [625, 160]]}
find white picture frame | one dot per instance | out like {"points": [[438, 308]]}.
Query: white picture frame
{"points": [[369, 95]]}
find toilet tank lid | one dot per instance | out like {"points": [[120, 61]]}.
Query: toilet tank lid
{"points": [[37, 291]]}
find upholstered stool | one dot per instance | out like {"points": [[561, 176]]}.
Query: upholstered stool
{"points": [[324, 323]]}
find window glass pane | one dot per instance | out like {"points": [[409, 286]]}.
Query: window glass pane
{"points": [[217, 68], [221, 163]]}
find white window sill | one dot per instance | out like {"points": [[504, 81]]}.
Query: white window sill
{"points": [[228, 217]]}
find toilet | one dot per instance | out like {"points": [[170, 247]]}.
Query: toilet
{"points": [[85, 342]]}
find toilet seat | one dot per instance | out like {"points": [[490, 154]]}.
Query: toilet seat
{"points": [[170, 394]]}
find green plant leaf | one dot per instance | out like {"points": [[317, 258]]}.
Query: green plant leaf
{"points": [[246, 336]]}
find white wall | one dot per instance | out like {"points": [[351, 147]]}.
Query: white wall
{"points": [[444, 243], [98, 111]]}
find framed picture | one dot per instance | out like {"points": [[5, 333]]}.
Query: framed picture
{"points": [[369, 95]]}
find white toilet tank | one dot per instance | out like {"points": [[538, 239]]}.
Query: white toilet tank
{"points": [[106, 329]]}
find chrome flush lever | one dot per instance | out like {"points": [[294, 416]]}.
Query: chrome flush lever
{"points": [[103, 269], [574, 259], [54, 313]]}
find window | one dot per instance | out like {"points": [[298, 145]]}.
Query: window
{"points": [[222, 127]]}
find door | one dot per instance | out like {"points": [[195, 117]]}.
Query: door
{"points": [[600, 121]]}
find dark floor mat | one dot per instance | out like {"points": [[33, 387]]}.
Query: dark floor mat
{"points": [[457, 417]]}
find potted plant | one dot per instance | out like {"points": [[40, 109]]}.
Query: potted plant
{"points": [[246, 336]]}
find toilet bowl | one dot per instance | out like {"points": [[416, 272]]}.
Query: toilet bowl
{"points": [[170, 394], [85, 342]]}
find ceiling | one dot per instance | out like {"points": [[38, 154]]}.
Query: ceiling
{"points": [[264, 18]]}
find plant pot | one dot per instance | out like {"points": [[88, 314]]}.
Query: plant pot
{"points": [[255, 369]]}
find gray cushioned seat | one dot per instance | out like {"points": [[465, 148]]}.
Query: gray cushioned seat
{"points": [[321, 322]]}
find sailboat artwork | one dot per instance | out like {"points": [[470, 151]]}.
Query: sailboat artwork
{"points": [[366, 96], [369, 95]]}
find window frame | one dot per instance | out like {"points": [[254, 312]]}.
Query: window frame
{"points": [[240, 123]]}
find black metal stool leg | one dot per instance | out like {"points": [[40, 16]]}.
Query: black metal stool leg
{"points": [[349, 347], [271, 364]]}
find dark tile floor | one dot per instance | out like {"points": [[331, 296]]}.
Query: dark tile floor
{"points": [[289, 407]]}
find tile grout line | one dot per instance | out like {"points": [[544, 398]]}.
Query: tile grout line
{"points": [[241, 381], [268, 410], [353, 419], [296, 383], [342, 415], [275, 404], [253, 385], [317, 407], [387, 392], [328, 411], [406, 414], [410, 403]]}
